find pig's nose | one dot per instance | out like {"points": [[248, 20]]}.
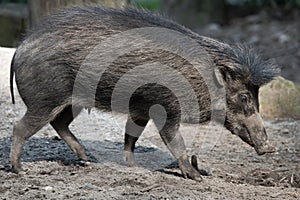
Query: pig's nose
{"points": [[267, 148]]}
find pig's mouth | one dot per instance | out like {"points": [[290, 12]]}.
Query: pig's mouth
{"points": [[266, 148], [261, 146]]}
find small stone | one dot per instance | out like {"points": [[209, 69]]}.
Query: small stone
{"points": [[84, 163], [48, 188], [89, 186], [235, 176], [208, 189], [285, 131], [22, 173], [55, 172]]}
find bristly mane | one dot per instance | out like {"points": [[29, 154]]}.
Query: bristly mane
{"points": [[251, 65]]}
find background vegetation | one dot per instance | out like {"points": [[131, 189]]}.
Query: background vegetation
{"points": [[156, 4]]}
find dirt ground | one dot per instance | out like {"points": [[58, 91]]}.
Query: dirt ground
{"points": [[236, 171]]}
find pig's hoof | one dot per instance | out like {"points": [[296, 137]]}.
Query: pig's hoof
{"points": [[265, 149], [16, 169], [80, 152], [192, 174], [189, 171], [129, 158], [194, 163], [83, 157]]}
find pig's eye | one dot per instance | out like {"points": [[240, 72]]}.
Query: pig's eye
{"points": [[244, 98]]}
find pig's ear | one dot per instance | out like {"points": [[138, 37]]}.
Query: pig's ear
{"points": [[222, 77]]}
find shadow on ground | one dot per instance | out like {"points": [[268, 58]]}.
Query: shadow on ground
{"points": [[55, 149]]}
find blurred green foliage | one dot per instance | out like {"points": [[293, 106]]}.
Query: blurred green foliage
{"points": [[263, 3], [153, 5], [156, 4], [13, 1]]}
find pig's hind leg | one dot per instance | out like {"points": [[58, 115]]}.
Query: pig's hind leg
{"points": [[61, 125], [22, 130], [133, 129]]}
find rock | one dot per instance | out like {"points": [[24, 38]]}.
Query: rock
{"points": [[89, 186], [285, 131], [280, 99], [48, 188]]}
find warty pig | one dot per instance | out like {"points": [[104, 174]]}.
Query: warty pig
{"points": [[47, 64]]}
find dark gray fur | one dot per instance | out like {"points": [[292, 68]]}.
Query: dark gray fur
{"points": [[47, 61]]}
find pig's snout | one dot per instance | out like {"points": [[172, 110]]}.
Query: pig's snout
{"points": [[258, 140], [258, 135], [266, 148]]}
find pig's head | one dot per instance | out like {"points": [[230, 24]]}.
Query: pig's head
{"points": [[242, 75]]}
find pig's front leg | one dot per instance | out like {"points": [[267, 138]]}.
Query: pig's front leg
{"points": [[174, 141], [178, 149]]}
